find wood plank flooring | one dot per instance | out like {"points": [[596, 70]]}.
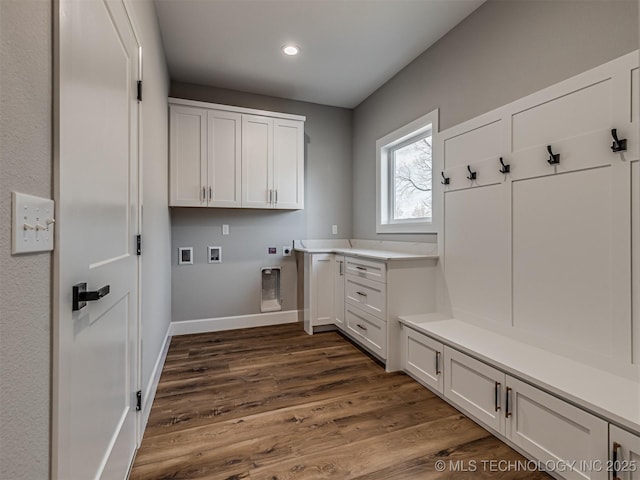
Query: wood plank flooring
{"points": [[275, 403]]}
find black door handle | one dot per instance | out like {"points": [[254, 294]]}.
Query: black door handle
{"points": [[81, 296]]}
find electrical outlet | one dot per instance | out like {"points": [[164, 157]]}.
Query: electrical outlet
{"points": [[286, 251], [215, 254], [334, 229], [225, 229]]}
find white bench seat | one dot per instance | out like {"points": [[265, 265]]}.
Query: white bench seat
{"points": [[613, 398]]}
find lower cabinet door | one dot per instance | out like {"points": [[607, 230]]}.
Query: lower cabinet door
{"points": [[423, 358], [475, 387], [555, 432], [368, 330], [339, 270], [624, 454]]}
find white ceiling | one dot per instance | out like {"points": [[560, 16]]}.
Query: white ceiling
{"points": [[349, 47]]}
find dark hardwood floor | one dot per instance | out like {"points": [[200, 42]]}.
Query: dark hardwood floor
{"points": [[275, 403]]}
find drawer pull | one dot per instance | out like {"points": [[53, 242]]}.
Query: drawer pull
{"points": [[507, 413], [361, 327], [497, 396], [362, 294], [614, 460], [438, 363], [361, 268]]}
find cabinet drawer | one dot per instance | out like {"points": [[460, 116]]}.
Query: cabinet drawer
{"points": [[370, 331], [369, 296], [475, 387], [422, 358], [361, 268]]}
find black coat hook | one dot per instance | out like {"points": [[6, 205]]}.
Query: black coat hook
{"points": [[472, 175], [618, 145], [554, 158], [505, 168], [445, 180]]}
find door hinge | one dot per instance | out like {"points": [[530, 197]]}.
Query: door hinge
{"points": [[138, 244], [138, 400], [139, 90]]}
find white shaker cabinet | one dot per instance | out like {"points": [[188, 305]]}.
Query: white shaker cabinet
{"points": [[232, 157], [318, 290], [205, 157], [475, 387], [555, 431], [422, 358], [288, 164], [273, 162], [223, 158], [188, 154]]}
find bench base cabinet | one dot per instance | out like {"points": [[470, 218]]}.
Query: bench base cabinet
{"points": [[422, 359], [475, 387], [559, 435], [554, 431], [624, 451]]}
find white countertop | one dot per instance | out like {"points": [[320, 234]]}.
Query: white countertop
{"points": [[373, 249], [367, 253], [603, 393]]}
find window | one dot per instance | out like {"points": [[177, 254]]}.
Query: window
{"points": [[405, 187]]}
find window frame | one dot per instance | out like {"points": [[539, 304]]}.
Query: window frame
{"points": [[385, 187]]}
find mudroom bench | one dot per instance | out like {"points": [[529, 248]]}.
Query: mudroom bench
{"points": [[578, 420]]}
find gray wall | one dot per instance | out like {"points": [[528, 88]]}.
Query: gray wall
{"points": [[232, 288], [25, 281], [503, 51], [156, 224]]}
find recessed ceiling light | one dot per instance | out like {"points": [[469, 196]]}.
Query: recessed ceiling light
{"points": [[290, 50]]}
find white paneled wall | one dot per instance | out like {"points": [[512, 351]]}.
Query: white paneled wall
{"points": [[543, 252]]}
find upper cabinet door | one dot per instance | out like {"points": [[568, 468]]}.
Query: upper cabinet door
{"points": [[188, 152], [224, 159], [288, 159], [257, 162]]}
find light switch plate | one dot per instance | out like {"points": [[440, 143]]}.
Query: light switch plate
{"points": [[33, 223], [225, 229], [334, 229]]}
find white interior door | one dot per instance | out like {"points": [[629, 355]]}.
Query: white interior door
{"points": [[95, 348]]}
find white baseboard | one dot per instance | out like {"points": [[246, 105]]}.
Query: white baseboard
{"points": [[204, 325], [149, 392]]}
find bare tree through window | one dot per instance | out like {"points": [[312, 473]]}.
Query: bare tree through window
{"points": [[412, 172]]}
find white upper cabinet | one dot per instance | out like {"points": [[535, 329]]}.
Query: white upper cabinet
{"points": [[188, 153], [257, 161], [288, 164], [223, 165], [233, 157], [273, 162]]}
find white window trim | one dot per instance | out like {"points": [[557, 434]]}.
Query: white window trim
{"points": [[383, 145]]}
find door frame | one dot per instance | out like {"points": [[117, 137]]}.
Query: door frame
{"points": [[57, 449]]}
